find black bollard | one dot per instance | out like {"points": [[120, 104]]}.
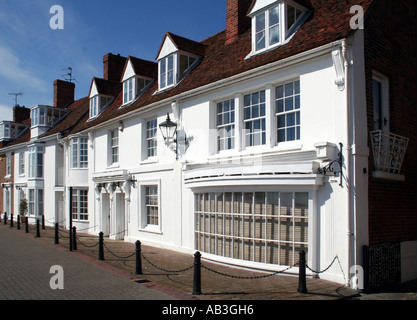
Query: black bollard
{"points": [[74, 238], [26, 225], [43, 222], [197, 274], [5, 218], [18, 222], [100, 246], [302, 282], [11, 220], [38, 234], [56, 234], [138, 258]]}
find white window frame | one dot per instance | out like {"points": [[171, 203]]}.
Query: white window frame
{"points": [[383, 124], [228, 121], [151, 136], [251, 134], [164, 72], [133, 87], [98, 103], [143, 206], [295, 100], [22, 164], [79, 207], [210, 222], [36, 197], [113, 147], [8, 165], [36, 162], [284, 32], [79, 161]]}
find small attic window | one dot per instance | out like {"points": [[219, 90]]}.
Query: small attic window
{"points": [[133, 87], [173, 68], [97, 104], [274, 24]]}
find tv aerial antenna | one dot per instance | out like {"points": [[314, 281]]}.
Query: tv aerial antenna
{"points": [[68, 75], [16, 94]]}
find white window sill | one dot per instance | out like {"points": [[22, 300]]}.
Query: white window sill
{"points": [[150, 160], [151, 229]]}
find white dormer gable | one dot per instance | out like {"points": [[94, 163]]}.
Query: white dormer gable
{"points": [[167, 48], [260, 5], [129, 71], [93, 90]]}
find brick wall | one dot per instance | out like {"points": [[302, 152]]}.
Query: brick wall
{"points": [[390, 48]]}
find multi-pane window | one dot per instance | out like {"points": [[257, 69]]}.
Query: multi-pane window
{"points": [[287, 111], [46, 116], [274, 25], [35, 162], [21, 163], [128, 90], [226, 125], [266, 227], [97, 103], [267, 28], [166, 72], [31, 202], [151, 205], [79, 204], [114, 146], [151, 138], [35, 202], [8, 165], [255, 118], [79, 152]]}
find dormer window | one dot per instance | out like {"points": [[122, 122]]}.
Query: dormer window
{"points": [[133, 87], [166, 72], [97, 104], [10, 130], [176, 58], [274, 23]]}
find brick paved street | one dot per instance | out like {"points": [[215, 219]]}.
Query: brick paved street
{"points": [[19, 264], [24, 273]]}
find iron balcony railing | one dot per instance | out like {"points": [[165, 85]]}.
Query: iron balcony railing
{"points": [[388, 151]]}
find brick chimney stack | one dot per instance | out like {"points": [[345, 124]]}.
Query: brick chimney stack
{"points": [[113, 67], [63, 93], [237, 20], [20, 114]]}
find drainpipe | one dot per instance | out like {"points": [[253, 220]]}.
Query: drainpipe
{"points": [[348, 162]]}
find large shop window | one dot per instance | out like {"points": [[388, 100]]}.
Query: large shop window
{"points": [[266, 227]]}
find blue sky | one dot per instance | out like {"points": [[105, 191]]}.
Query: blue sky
{"points": [[32, 55]]}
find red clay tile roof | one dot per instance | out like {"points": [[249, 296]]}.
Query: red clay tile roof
{"points": [[185, 44], [328, 22], [144, 68], [107, 87]]}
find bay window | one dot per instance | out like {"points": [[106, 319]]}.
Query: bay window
{"points": [[35, 202], [265, 227]]}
